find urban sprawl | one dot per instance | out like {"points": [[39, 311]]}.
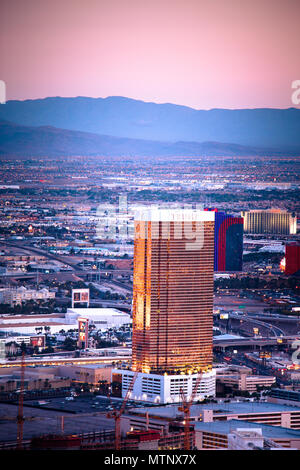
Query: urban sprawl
{"points": [[150, 303]]}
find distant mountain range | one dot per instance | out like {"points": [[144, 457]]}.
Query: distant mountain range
{"points": [[28, 141], [128, 118]]}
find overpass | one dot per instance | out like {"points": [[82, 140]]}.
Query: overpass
{"points": [[253, 342], [288, 325], [275, 317], [40, 252], [264, 316], [64, 260], [248, 319]]}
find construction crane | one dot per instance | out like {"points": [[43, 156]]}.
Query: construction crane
{"points": [[186, 408], [20, 416], [116, 414]]}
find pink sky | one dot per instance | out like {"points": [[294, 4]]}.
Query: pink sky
{"points": [[199, 53]]}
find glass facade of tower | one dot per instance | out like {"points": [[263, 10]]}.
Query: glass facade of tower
{"points": [[228, 242], [270, 221], [292, 259], [173, 295]]}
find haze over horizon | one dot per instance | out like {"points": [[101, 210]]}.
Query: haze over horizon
{"points": [[150, 102], [193, 53]]}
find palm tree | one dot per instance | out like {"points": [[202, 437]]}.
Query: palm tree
{"points": [[23, 347], [47, 384]]}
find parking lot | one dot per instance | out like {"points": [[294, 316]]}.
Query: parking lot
{"points": [[76, 405], [81, 415]]}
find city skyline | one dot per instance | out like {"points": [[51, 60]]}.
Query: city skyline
{"points": [[150, 230], [51, 247]]}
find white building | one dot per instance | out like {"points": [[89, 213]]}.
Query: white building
{"points": [[23, 339], [165, 388], [102, 318]]}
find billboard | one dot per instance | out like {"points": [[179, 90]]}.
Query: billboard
{"points": [[80, 296], [224, 316], [38, 341], [83, 333]]}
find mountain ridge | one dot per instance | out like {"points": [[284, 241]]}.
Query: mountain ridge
{"points": [[130, 118], [49, 141]]}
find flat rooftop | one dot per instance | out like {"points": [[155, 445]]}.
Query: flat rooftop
{"points": [[7, 316], [171, 411], [4, 326], [92, 366], [96, 311], [80, 416], [225, 427]]}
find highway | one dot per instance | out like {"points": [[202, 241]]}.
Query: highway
{"points": [[273, 329], [61, 259], [38, 251], [122, 285], [126, 357], [275, 317], [253, 341], [52, 361]]}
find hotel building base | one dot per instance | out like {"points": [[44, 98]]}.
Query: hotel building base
{"points": [[156, 388]]}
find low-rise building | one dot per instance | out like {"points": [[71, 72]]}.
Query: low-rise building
{"points": [[101, 318], [35, 379], [237, 435], [91, 374], [22, 294], [241, 378], [29, 324], [281, 395], [162, 417]]}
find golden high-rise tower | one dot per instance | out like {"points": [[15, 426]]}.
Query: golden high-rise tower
{"points": [[173, 292]]}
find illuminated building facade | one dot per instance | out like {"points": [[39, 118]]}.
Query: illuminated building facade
{"points": [[83, 333], [228, 242], [270, 221], [172, 304], [292, 259]]}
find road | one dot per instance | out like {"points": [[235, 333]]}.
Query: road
{"points": [[62, 259], [252, 341], [248, 319], [38, 251], [70, 360]]}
